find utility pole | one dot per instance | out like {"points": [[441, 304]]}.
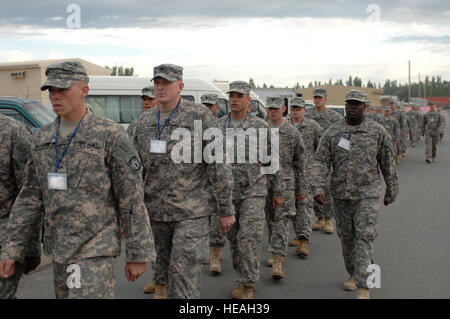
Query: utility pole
{"points": [[419, 86], [409, 81]]}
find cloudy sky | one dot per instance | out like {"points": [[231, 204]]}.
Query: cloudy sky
{"points": [[278, 42]]}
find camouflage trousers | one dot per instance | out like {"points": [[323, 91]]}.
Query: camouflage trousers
{"points": [[216, 237], [303, 219], [181, 246], [326, 210], [96, 279], [245, 238], [404, 143], [8, 287], [356, 222], [415, 135], [277, 220], [430, 145]]}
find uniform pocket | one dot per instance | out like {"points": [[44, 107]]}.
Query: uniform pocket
{"points": [[196, 240]]}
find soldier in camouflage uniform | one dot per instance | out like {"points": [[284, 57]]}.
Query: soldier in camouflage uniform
{"points": [[216, 237], [392, 127], [432, 128], [441, 134], [293, 161], [415, 132], [379, 113], [357, 149], [250, 191], [15, 145], [400, 117], [178, 193], [310, 132], [82, 179], [325, 118], [370, 112], [148, 101]]}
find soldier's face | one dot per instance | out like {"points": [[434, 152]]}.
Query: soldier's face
{"points": [[166, 91], [320, 101], [275, 114], [354, 110], [387, 113], [68, 101], [238, 102], [148, 103], [393, 106], [213, 108], [298, 113]]}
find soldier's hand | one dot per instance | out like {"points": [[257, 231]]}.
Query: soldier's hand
{"points": [[320, 199], [134, 270], [397, 142], [6, 268], [30, 264], [388, 200], [225, 223], [277, 201], [301, 197]]}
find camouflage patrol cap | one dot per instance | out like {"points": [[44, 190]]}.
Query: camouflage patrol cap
{"points": [[274, 102], [391, 100], [298, 101], [209, 99], [368, 102], [387, 108], [321, 92], [63, 75], [148, 91], [431, 103], [385, 98], [239, 87], [170, 72], [356, 95]]}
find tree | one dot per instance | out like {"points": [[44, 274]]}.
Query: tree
{"points": [[251, 82], [349, 81], [264, 86], [120, 71], [310, 85]]}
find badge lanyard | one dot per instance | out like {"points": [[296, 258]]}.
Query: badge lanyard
{"points": [[167, 121], [67, 146]]}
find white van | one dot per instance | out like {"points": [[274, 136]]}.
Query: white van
{"points": [[119, 97]]}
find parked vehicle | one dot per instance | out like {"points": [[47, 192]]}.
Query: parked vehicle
{"points": [[119, 97], [31, 112]]}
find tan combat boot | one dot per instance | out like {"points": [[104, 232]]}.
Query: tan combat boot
{"points": [[319, 224], [238, 292], [269, 262], [363, 293], [150, 288], [350, 284], [433, 159], [214, 260], [428, 160], [160, 291], [248, 292], [397, 161], [328, 226], [277, 271], [294, 242], [302, 249]]}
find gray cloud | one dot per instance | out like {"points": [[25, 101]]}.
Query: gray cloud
{"points": [[136, 13], [441, 40]]}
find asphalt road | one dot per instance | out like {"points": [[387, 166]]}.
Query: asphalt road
{"points": [[412, 249]]}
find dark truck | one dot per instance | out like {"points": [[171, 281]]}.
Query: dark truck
{"points": [[31, 112]]}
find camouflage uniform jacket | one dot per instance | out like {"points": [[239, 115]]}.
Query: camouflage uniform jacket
{"points": [[325, 119], [181, 191], [356, 172], [373, 116], [104, 186], [248, 179], [392, 127], [400, 117], [433, 124], [293, 158], [15, 145]]}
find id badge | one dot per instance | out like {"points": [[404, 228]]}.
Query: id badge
{"points": [[57, 181], [345, 144], [158, 147]]}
